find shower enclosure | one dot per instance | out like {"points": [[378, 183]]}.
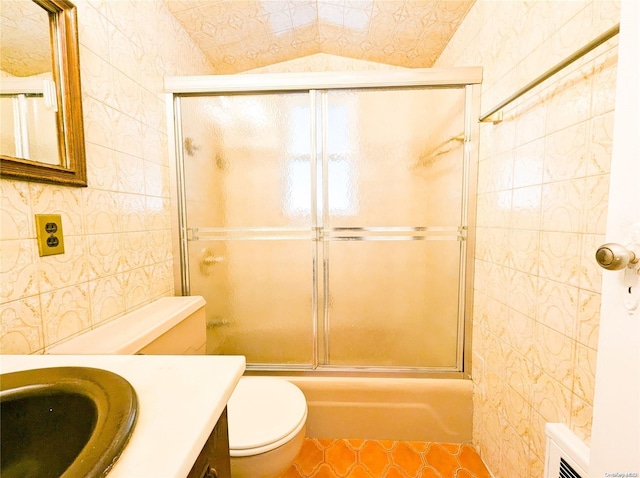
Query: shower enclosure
{"points": [[327, 219]]}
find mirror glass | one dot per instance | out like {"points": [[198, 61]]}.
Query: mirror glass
{"points": [[41, 131], [27, 120]]}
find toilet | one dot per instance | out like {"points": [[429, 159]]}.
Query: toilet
{"points": [[266, 416]]}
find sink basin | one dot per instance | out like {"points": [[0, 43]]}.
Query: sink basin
{"points": [[64, 421]]}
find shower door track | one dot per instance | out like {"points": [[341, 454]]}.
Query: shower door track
{"points": [[467, 77], [284, 82]]}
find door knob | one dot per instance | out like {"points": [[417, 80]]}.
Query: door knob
{"points": [[614, 257]]}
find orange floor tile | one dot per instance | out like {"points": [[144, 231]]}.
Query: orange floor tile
{"points": [[332, 458]]}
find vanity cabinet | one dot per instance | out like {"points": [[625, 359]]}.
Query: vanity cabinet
{"points": [[214, 460]]}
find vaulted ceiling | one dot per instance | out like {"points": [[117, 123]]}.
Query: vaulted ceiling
{"points": [[241, 35]]}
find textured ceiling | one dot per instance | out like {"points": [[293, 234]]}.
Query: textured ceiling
{"points": [[24, 38], [241, 35]]}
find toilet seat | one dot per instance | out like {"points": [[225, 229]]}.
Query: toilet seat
{"points": [[264, 413]]}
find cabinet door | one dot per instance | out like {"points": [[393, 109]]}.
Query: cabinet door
{"points": [[214, 461]]}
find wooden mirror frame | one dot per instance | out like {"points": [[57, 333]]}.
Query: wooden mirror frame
{"points": [[66, 74]]}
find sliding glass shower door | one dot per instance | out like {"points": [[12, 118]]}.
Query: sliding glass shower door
{"points": [[250, 247], [327, 228], [392, 251]]}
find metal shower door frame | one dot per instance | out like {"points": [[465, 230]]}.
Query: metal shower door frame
{"points": [[317, 84]]}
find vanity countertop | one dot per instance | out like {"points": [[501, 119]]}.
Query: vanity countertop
{"points": [[180, 400]]}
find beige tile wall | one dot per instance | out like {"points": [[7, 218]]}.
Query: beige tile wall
{"points": [[117, 231], [542, 204]]}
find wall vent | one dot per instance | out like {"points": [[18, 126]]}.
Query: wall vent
{"points": [[566, 471], [567, 456]]}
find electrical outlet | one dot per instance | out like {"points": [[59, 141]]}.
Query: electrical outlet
{"points": [[49, 234]]}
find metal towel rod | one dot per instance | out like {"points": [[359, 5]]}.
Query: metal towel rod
{"points": [[610, 33]]}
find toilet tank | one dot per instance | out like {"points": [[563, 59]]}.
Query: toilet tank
{"points": [[167, 326]]}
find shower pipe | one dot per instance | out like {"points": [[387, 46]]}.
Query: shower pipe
{"points": [[610, 33]]}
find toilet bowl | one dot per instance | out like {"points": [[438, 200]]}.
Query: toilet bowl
{"points": [[266, 416]]}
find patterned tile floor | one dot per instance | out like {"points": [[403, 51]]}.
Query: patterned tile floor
{"points": [[332, 458]]}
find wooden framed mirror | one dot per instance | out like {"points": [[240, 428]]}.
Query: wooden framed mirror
{"points": [[62, 95]]}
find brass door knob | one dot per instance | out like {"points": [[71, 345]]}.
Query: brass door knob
{"points": [[614, 257]]}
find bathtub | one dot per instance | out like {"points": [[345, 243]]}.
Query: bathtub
{"points": [[421, 409]]}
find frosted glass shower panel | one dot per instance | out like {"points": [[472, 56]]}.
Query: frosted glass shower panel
{"points": [[326, 229], [246, 151], [392, 156], [259, 296], [393, 303]]}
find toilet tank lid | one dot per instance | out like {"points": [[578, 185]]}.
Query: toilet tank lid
{"points": [[264, 410], [131, 332]]}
